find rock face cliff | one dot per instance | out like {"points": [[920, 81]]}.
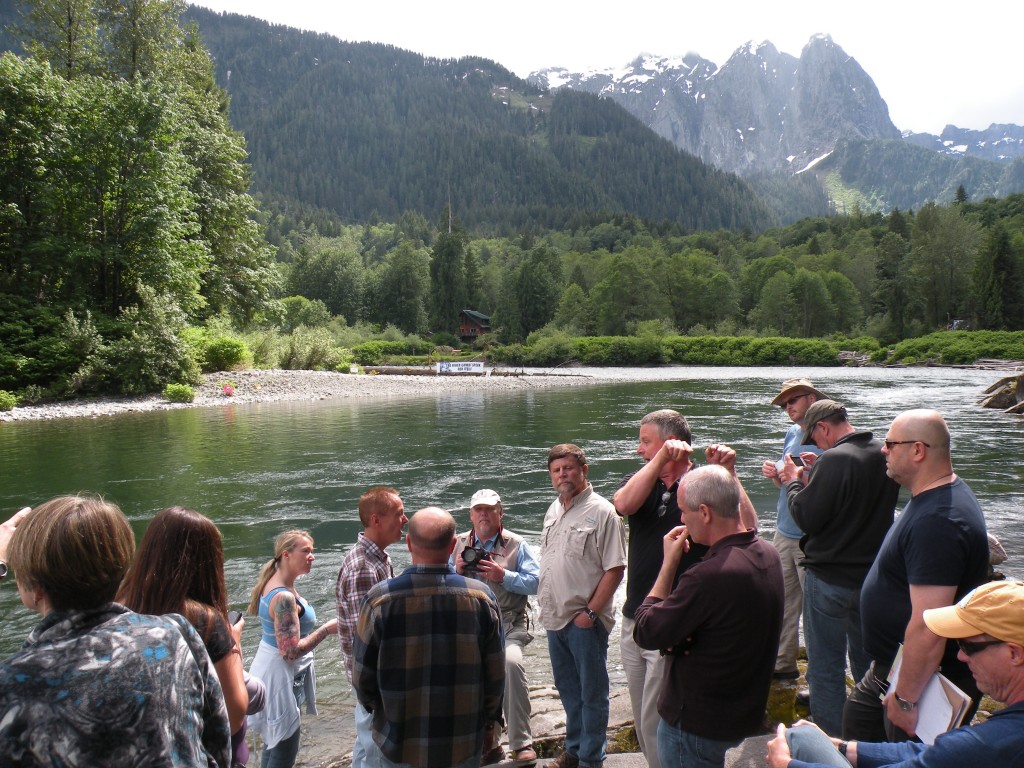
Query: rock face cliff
{"points": [[762, 111], [999, 142]]}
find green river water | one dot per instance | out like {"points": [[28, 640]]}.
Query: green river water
{"points": [[259, 469]]}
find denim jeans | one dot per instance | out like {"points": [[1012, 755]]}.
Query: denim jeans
{"points": [[831, 629], [364, 735], [809, 745], [282, 754], [680, 749], [579, 662]]}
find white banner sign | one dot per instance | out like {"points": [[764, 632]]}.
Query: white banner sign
{"points": [[448, 367]]}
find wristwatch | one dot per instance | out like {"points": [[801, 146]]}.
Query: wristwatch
{"points": [[906, 706], [591, 615]]}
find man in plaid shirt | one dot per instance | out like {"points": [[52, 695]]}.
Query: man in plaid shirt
{"points": [[382, 514], [430, 656]]}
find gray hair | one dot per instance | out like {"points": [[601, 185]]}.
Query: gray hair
{"points": [[669, 423], [714, 486]]}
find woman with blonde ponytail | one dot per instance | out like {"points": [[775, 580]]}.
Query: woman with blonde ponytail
{"points": [[284, 659]]}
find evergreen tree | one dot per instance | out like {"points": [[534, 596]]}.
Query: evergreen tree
{"points": [[574, 314], [999, 283], [537, 288], [898, 224], [471, 273], [403, 289], [942, 257], [892, 283], [447, 278]]}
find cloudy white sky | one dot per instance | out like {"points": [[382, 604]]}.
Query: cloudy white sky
{"points": [[932, 63]]}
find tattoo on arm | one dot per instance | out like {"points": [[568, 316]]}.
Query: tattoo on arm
{"points": [[286, 629], [286, 625]]}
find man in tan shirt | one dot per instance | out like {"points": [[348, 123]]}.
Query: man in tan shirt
{"points": [[583, 558]]}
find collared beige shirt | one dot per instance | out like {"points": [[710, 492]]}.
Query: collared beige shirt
{"points": [[577, 547]]}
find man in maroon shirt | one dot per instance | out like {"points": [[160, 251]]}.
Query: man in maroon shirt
{"points": [[719, 625]]}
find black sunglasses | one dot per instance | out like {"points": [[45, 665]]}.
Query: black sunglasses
{"points": [[970, 648], [793, 400], [890, 443], [663, 507]]}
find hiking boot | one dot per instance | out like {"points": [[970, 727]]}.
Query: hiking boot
{"points": [[565, 760], [495, 755], [525, 757]]}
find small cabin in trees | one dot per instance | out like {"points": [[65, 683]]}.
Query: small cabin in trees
{"points": [[472, 325]]}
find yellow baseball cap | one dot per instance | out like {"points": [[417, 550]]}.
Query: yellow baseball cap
{"points": [[995, 608]]}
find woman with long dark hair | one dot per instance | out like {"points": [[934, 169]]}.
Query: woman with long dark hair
{"points": [[179, 568], [284, 659], [94, 683]]}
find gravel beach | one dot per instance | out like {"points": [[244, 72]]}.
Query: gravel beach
{"points": [[264, 386]]}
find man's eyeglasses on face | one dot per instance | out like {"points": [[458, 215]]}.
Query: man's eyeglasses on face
{"points": [[793, 400], [890, 443], [970, 648]]}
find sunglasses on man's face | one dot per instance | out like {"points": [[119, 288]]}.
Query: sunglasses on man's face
{"points": [[970, 648]]}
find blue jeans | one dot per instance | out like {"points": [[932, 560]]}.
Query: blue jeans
{"points": [[681, 749], [579, 662], [364, 735], [809, 745], [831, 629], [283, 754]]}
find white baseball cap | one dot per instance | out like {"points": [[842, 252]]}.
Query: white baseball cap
{"points": [[485, 496]]}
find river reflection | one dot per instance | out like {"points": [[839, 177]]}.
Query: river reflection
{"points": [[260, 469]]}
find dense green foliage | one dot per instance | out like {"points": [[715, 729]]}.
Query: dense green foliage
{"points": [[888, 277], [7, 400], [885, 174], [123, 198], [392, 131], [131, 254], [958, 348], [179, 393], [679, 350]]}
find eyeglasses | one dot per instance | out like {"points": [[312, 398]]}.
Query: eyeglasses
{"points": [[663, 507], [792, 400], [970, 648], [890, 443]]}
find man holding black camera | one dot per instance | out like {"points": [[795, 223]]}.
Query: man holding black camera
{"points": [[506, 563]]}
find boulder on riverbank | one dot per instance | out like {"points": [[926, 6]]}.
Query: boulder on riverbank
{"points": [[1006, 395]]}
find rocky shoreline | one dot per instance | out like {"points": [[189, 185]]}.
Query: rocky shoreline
{"points": [[266, 386]]}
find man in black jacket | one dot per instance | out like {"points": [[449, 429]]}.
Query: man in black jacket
{"points": [[845, 509]]}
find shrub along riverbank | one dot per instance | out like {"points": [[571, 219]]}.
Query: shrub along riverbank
{"points": [[317, 349], [942, 348]]}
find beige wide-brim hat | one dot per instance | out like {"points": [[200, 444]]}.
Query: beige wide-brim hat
{"points": [[792, 387], [995, 608]]}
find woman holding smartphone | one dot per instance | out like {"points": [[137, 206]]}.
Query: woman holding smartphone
{"points": [[179, 568]]}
